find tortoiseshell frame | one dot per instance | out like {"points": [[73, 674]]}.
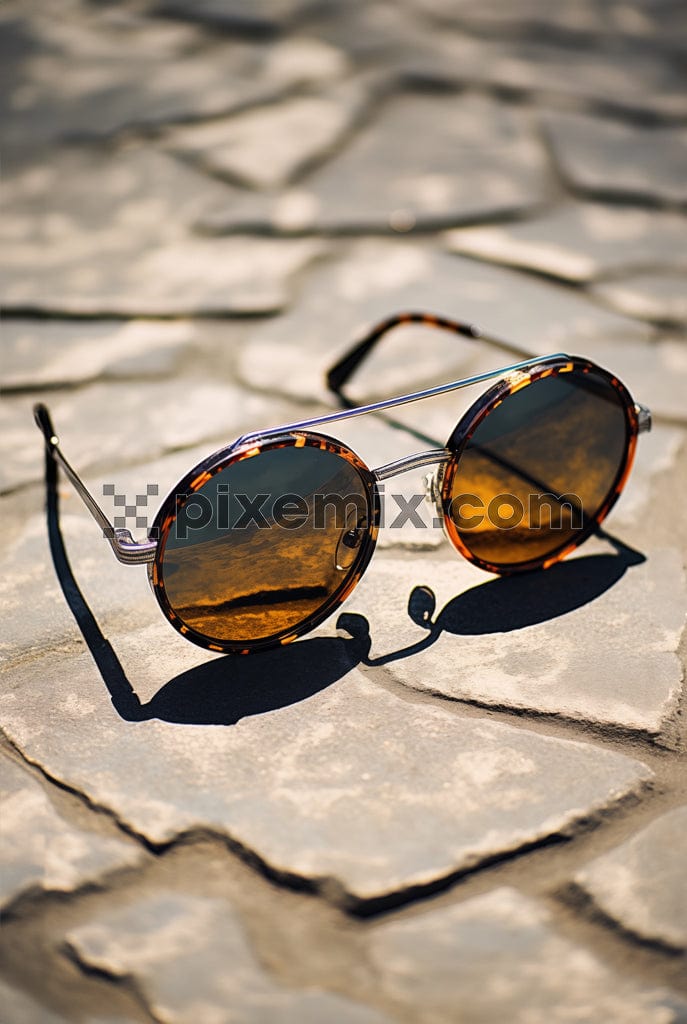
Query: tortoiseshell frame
{"points": [[199, 476], [518, 375], [465, 429]]}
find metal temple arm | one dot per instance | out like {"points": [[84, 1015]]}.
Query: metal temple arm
{"points": [[349, 362], [126, 549]]}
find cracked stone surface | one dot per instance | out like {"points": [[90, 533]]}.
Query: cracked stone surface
{"points": [[137, 192], [485, 161], [176, 946], [292, 353], [133, 422], [40, 353], [461, 796], [613, 158], [91, 73], [542, 975], [558, 644], [182, 277], [42, 851], [266, 148], [309, 789], [92, 234], [581, 241], [641, 884]]}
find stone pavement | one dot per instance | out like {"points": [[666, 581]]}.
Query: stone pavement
{"points": [[203, 203]]}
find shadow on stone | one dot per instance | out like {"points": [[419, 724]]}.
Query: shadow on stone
{"points": [[224, 690], [220, 691], [515, 602]]}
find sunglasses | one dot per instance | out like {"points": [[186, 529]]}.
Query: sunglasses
{"points": [[264, 539]]}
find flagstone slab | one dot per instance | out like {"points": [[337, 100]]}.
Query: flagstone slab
{"points": [[96, 234], [353, 791], [137, 193], [640, 885], [95, 72], [607, 157], [422, 162], [125, 422], [44, 353], [192, 961], [265, 148], [237, 276], [44, 852], [561, 642], [444, 959], [370, 280], [581, 241]]}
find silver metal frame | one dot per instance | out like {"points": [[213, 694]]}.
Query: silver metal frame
{"points": [[126, 549], [132, 552]]}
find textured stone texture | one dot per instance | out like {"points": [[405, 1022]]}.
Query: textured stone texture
{"points": [[179, 949], [87, 200], [39, 353], [127, 422], [92, 233], [191, 169], [44, 852], [641, 884], [542, 978], [608, 157], [193, 276], [581, 241], [267, 147], [559, 642], [371, 278], [308, 789], [95, 72], [399, 173]]}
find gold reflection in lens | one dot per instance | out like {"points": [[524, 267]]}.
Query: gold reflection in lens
{"points": [[556, 447], [245, 584]]}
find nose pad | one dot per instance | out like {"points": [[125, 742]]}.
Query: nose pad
{"points": [[350, 539]]}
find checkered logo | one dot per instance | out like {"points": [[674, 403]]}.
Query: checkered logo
{"points": [[130, 513]]}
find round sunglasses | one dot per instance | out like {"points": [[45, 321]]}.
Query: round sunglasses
{"points": [[266, 538]]}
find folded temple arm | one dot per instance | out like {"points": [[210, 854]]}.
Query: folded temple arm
{"points": [[351, 360], [126, 549], [344, 369]]}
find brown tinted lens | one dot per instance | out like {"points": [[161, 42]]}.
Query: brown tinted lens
{"points": [[265, 543], [538, 469]]}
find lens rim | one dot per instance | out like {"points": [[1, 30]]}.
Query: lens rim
{"points": [[499, 392], [199, 476]]}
